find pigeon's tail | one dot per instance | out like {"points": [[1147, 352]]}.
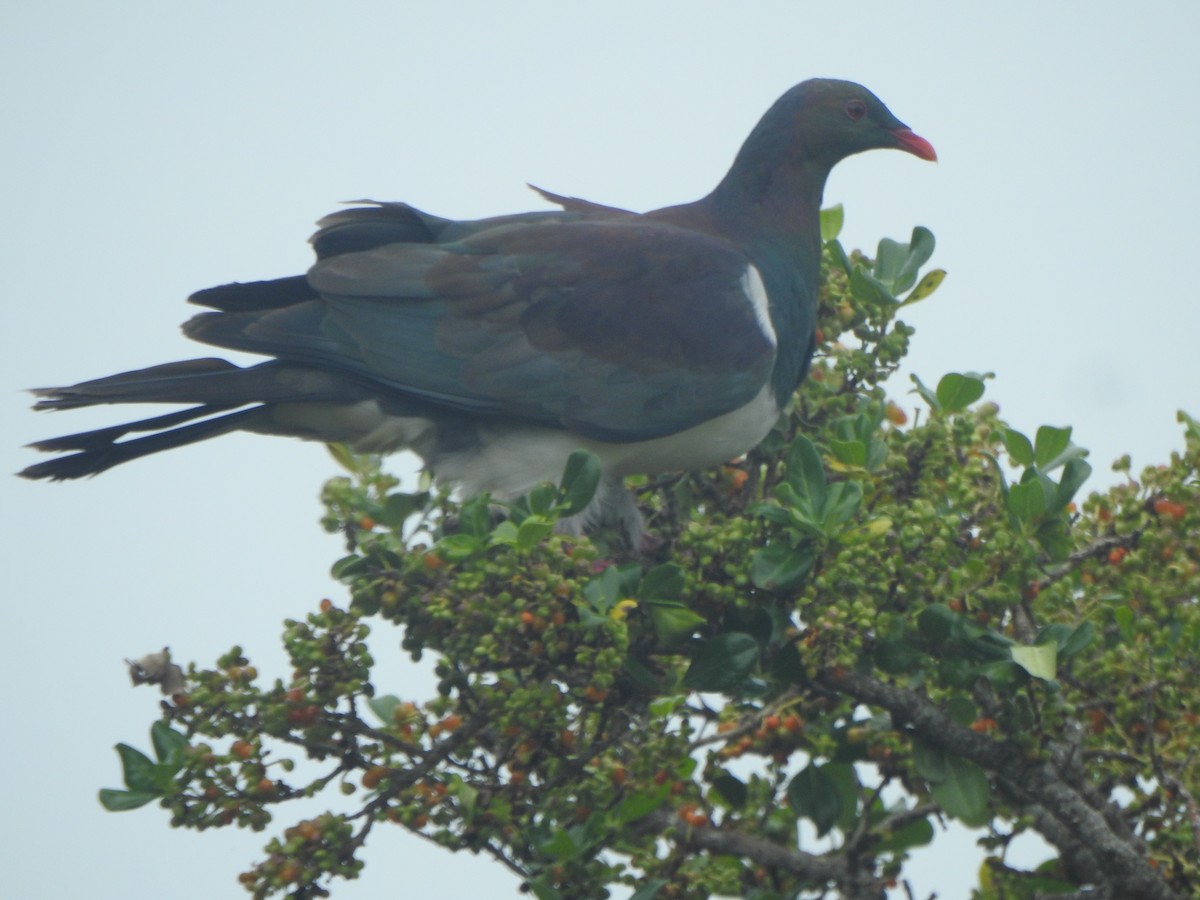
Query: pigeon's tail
{"points": [[215, 387]]}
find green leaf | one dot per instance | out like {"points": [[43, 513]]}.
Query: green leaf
{"points": [[845, 781], [663, 582], [637, 806], [1040, 660], [543, 498], [649, 890], [871, 530], [1018, 446], [897, 656], [831, 222], [722, 663], [121, 801], [963, 794], [399, 506], [1049, 443], [806, 475], [475, 517], [814, 795], [926, 286], [533, 531], [560, 846], [1123, 616], [384, 707], [137, 768], [866, 288], [1027, 501], [926, 393], [673, 621], [852, 453], [1075, 473], [956, 392], [779, 566], [167, 741], [615, 583], [842, 501], [457, 547], [580, 479]]}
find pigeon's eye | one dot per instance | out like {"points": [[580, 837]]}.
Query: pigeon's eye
{"points": [[855, 110]]}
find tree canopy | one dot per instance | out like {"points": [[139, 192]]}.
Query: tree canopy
{"points": [[865, 628]]}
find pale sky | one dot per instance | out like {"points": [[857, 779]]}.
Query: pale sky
{"points": [[153, 148]]}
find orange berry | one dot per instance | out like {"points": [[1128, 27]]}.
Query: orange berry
{"points": [[432, 561], [295, 695], [895, 414], [325, 605], [366, 523], [451, 722], [619, 775], [1116, 555], [266, 786], [793, 723], [771, 723], [595, 694], [373, 776], [242, 749], [984, 725]]}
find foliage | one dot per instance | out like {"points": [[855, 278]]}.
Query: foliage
{"points": [[863, 629]]}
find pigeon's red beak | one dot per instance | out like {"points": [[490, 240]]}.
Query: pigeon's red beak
{"points": [[915, 144]]}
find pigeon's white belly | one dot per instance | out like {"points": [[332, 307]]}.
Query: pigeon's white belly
{"points": [[513, 459]]}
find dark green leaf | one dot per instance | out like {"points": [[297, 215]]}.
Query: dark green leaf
{"points": [[963, 794], [613, 584], [1075, 473], [936, 622], [1049, 443], [962, 710], [399, 506], [580, 479], [732, 790], [543, 498], [649, 890], [1027, 501], [956, 392], [779, 566], [841, 503], [846, 783], [636, 806], [868, 289], [917, 833], [122, 801], [897, 656], [1018, 447], [663, 582], [930, 762], [929, 396], [560, 846], [722, 663], [166, 740], [1077, 641], [814, 795], [348, 567], [138, 769], [475, 517]]}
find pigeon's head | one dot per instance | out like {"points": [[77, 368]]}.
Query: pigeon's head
{"points": [[827, 119], [823, 120]]}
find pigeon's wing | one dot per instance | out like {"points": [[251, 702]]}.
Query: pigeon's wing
{"points": [[619, 329]]}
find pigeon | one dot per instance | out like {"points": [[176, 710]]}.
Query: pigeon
{"points": [[663, 341]]}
